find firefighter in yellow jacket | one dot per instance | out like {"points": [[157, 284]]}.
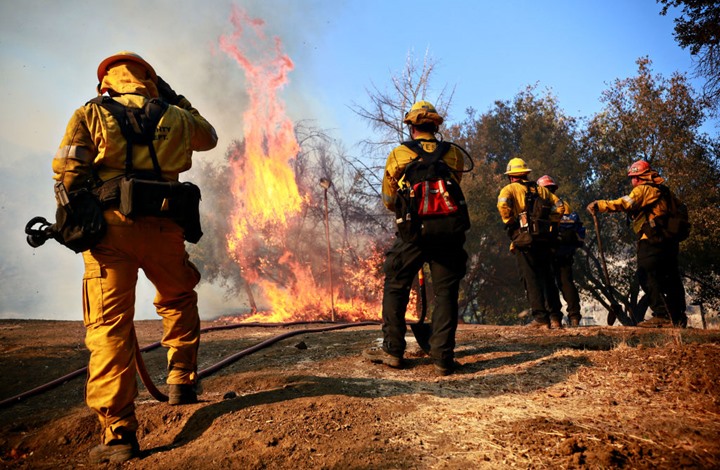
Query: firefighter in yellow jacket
{"points": [[534, 258], [93, 152], [445, 255], [657, 261]]}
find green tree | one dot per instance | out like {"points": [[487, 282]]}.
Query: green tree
{"points": [[656, 119], [531, 126]]}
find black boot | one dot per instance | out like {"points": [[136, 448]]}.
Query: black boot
{"points": [[117, 450], [182, 394]]}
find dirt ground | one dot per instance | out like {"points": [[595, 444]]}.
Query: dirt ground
{"points": [[593, 397]]}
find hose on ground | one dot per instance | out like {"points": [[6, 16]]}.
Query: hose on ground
{"points": [[147, 381]]}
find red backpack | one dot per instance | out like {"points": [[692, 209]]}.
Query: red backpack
{"points": [[431, 203]]}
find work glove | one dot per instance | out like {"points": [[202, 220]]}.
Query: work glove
{"points": [[511, 227], [166, 92], [592, 207]]}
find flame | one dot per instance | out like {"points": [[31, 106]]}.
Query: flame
{"points": [[267, 202], [266, 194], [302, 299]]}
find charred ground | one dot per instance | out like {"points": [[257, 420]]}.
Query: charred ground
{"points": [[594, 397]]}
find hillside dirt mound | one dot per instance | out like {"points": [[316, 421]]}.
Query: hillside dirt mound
{"points": [[593, 397]]}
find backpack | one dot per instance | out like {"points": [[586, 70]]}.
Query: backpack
{"points": [[430, 203], [535, 225], [672, 225], [571, 231]]}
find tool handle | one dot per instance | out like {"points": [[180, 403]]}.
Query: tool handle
{"points": [[423, 295], [600, 249]]}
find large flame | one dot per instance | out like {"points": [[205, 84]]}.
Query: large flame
{"points": [[265, 195]]}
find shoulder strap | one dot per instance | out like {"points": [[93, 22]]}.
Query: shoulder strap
{"points": [[531, 187], [664, 194], [429, 157], [531, 195], [137, 126]]}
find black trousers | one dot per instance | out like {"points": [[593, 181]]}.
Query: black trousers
{"points": [[447, 259], [659, 277], [535, 267], [563, 271]]}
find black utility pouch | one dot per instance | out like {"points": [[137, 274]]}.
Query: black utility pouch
{"points": [[109, 193], [188, 216], [80, 224], [408, 222], [144, 197], [170, 199]]}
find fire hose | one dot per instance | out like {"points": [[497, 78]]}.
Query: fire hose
{"points": [[145, 376]]}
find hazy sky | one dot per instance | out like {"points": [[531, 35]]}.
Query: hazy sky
{"points": [[488, 50]]}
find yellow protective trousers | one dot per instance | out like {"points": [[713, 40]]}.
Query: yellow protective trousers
{"points": [[157, 247]]}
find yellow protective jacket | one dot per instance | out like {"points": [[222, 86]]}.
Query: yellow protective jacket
{"points": [[93, 140], [644, 203], [399, 158], [511, 202], [566, 207]]}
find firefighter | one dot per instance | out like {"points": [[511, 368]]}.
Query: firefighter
{"points": [[93, 152], [534, 256], [657, 260], [445, 255], [571, 235]]}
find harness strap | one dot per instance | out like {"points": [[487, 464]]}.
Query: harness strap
{"points": [[137, 126], [429, 157]]}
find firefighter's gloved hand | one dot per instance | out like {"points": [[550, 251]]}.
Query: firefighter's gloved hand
{"points": [[511, 227], [592, 207], [85, 211], [166, 92]]}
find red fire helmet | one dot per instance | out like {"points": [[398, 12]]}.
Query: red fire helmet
{"points": [[546, 180], [638, 168]]}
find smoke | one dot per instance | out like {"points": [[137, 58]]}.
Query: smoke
{"points": [[48, 56]]}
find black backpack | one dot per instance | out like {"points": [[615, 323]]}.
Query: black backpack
{"points": [[430, 204], [672, 225], [534, 225]]}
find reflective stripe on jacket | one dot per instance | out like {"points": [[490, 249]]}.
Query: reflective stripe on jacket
{"points": [[641, 196], [93, 140]]}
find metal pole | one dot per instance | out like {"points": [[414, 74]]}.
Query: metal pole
{"points": [[325, 183]]}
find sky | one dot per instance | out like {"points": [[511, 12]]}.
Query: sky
{"points": [[487, 50]]}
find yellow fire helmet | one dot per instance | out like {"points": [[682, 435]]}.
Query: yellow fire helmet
{"points": [[423, 112], [124, 56], [517, 166]]}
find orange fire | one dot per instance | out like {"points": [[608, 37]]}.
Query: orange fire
{"points": [[267, 195], [266, 199]]}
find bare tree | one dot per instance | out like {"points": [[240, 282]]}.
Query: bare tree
{"points": [[387, 109]]}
